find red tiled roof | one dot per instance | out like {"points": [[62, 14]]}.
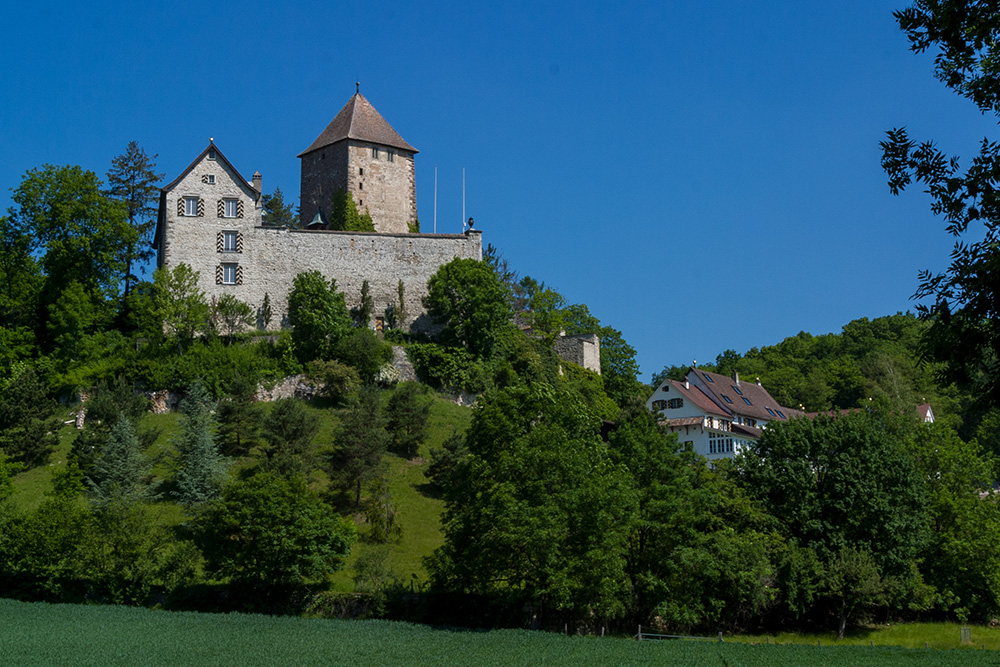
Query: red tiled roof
{"points": [[759, 397], [359, 120], [698, 397], [682, 421]]}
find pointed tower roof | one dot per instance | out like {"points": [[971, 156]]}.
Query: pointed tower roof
{"points": [[359, 120]]}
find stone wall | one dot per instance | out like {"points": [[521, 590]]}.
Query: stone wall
{"points": [[273, 257], [324, 171], [583, 350], [384, 188]]}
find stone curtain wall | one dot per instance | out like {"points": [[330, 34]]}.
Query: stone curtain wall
{"points": [[273, 257]]}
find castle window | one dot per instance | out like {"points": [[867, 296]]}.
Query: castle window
{"points": [[229, 274], [229, 208], [211, 179], [229, 241], [361, 186], [211, 154], [191, 206], [361, 171], [375, 152], [390, 156]]}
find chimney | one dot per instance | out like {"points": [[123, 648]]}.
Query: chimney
{"points": [[257, 182], [758, 382], [687, 385], [736, 377]]}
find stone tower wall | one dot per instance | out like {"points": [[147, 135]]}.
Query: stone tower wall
{"points": [[583, 350], [386, 189], [324, 171]]}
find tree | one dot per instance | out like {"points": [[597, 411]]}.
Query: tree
{"points": [[361, 441], [541, 513], [964, 304], [201, 468], [27, 427], [81, 234], [274, 210], [133, 180], [20, 277], [239, 417], [289, 430], [264, 313], [270, 531], [407, 412], [363, 349], [344, 214], [466, 296], [318, 316], [118, 472], [231, 316], [618, 365], [363, 313], [175, 306]]}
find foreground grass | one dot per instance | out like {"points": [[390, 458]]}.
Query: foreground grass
{"points": [[905, 635], [45, 634]]}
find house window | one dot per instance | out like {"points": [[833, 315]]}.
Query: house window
{"points": [[675, 403], [211, 179], [191, 206], [229, 241], [659, 405], [211, 154], [665, 387], [726, 399], [737, 390], [708, 379], [746, 400], [229, 208], [375, 152], [229, 274], [781, 414], [770, 411]]}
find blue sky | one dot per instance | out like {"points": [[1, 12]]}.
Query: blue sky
{"points": [[703, 175]]}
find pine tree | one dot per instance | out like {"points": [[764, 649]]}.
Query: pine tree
{"points": [[118, 471], [133, 180], [361, 440], [264, 313], [363, 313], [202, 468], [344, 215], [274, 210]]}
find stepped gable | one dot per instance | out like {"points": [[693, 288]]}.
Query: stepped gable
{"points": [[360, 121]]}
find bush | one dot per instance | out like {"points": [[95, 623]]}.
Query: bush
{"points": [[335, 380], [363, 350]]}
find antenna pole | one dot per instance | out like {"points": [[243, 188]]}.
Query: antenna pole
{"points": [[435, 199], [463, 199]]}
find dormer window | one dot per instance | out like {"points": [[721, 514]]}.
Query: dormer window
{"points": [[737, 390], [707, 378]]}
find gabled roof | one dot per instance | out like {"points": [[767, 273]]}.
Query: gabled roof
{"points": [[359, 120], [717, 386], [697, 397], [162, 212]]}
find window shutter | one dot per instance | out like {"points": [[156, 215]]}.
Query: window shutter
{"points": [[239, 208], [218, 274], [221, 208], [180, 206], [204, 178], [239, 274], [201, 207], [239, 242], [220, 242]]}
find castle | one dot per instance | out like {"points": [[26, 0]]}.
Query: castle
{"points": [[210, 219]]}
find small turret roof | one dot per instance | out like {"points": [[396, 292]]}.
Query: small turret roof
{"points": [[359, 120]]}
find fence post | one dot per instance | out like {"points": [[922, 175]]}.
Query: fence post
{"points": [[639, 636], [720, 636]]}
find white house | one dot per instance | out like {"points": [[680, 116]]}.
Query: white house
{"points": [[716, 414]]}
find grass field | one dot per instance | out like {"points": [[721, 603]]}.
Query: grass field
{"points": [[419, 510], [44, 634]]}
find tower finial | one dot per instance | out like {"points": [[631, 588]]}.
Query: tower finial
{"points": [[357, 87]]}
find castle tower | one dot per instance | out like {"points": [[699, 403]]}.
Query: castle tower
{"points": [[361, 153]]}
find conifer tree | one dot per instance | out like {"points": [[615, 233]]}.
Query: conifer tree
{"points": [[202, 468], [118, 471], [361, 441], [344, 215], [133, 180]]}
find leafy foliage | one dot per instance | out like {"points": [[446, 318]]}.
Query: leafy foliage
{"points": [[269, 531], [407, 411], [344, 214], [466, 297], [318, 316]]}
